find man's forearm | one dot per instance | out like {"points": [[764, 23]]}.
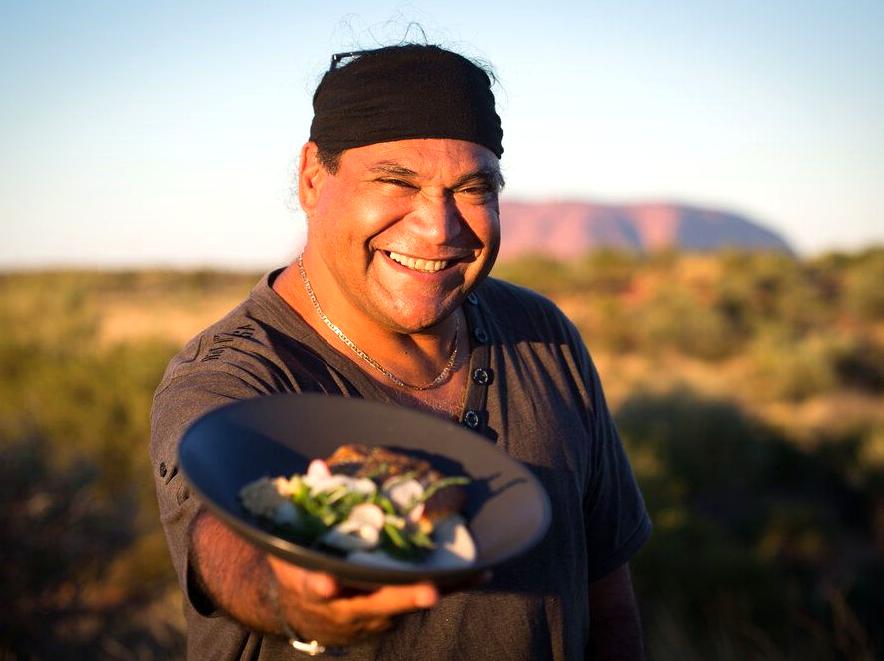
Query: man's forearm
{"points": [[234, 574]]}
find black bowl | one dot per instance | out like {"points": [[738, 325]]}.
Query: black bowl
{"points": [[507, 509]]}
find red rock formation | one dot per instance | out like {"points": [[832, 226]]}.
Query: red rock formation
{"points": [[569, 229]]}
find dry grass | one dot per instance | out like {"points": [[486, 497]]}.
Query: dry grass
{"points": [[155, 318]]}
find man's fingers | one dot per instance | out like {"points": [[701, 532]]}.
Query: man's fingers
{"points": [[322, 600], [319, 587], [308, 584], [393, 600]]}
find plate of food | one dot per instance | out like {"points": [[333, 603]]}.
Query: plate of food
{"points": [[368, 492]]}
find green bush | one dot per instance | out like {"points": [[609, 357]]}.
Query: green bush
{"points": [[748, 531]]}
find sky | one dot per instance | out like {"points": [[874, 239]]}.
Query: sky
{"points": [[167, 133]]}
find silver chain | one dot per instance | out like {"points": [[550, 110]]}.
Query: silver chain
{"points": [[368, 359]]}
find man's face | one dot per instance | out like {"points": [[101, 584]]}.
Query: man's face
{"points": [[402, 231]]}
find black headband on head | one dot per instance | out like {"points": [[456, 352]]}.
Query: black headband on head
{"points": [[403, 92]]}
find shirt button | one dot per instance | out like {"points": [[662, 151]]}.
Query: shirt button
{"points": [[481, 335], [163, 470], [471, 419], [481, 376], [472, 298]]}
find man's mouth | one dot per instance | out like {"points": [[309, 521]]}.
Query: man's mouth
{"points": [[418, 263]]}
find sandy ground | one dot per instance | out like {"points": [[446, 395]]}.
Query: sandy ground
{"points": [[174, 321]]}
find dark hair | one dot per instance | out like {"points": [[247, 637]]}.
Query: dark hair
{"points": [[329, 159]]}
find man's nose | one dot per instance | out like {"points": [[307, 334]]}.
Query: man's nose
{"points": [[436, 217]]}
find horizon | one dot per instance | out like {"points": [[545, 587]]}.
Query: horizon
{"points": [[164, 135], [262, 265]]}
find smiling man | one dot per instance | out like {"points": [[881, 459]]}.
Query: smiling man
{"points": [[391, 301]]}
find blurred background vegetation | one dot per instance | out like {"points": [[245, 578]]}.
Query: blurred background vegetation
{"points": [[748, 388]]}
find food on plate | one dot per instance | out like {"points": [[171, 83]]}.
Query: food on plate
{"points": [[371, 504], [374, 462]]}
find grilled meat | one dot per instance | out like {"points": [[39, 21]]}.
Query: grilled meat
{"points": [[379, 464]]}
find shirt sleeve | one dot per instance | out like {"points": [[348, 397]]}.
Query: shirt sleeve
{"points": [[177, 404], [616, 520]]}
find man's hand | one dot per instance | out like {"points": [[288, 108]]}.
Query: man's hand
{"points": [[317, 607], [258, 589]]}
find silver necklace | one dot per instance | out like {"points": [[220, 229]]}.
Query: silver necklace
{"points": [[368, 359]]}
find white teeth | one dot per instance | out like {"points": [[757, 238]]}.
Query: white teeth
{"points": [[417, 264]]}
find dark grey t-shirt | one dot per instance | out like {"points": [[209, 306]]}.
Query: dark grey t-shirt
{"points": [[533, 391]]}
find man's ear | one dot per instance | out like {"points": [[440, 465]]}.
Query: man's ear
{"points": [[311, 176]]}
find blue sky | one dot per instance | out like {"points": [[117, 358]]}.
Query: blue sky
{"points": [[167, 133]]}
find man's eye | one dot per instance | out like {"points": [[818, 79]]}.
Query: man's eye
{"points": [[479, 191], [399, 183]]}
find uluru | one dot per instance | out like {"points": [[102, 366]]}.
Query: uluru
{"points": [[569, 229]]}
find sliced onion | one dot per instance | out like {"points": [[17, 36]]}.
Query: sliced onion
{"points": [[403, 493], [318, 469], [324, 484], [364, 486], [367, 514], [360, 538], [360, 530]]}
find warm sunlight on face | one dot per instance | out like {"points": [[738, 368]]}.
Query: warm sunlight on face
{"points": [[403, 231]]}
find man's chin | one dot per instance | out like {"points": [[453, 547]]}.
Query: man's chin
{"points": [[424, 319]]}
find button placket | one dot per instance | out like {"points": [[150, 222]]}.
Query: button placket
{"points": [[475, 417]]}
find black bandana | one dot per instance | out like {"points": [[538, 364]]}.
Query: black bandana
{"points": [[404, 92]]}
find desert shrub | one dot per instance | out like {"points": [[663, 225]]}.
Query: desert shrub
{"points": [[791, 368], [612, 327], [760, 288], [62, 536], [675, 320], [748, 532], [543, 274], [871, 455], [858, 363], [606, 272], [863, 292], [83, 548], [711, 456]]}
